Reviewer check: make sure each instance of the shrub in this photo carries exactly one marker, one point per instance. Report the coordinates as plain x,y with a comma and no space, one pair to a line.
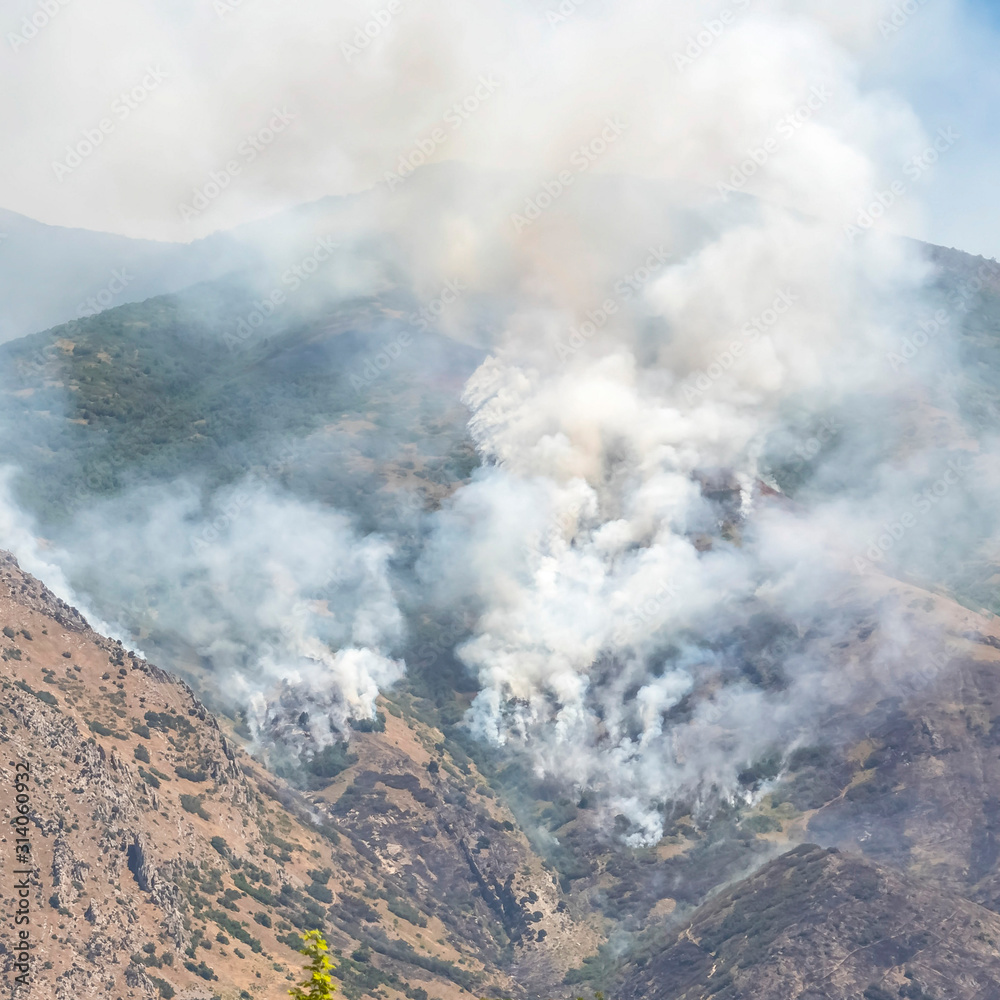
165,721
150,779
320,892
141,753
261,894
228,900
358,910
876,992
166,990
201,969
376,725
808,757
188,774
292,940
192,804
272,838
761,824
45,696
331,760
403,909
763,770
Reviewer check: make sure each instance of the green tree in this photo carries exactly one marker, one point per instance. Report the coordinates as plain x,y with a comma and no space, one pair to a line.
319,985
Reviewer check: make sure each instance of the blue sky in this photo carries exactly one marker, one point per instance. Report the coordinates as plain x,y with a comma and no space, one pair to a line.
946,62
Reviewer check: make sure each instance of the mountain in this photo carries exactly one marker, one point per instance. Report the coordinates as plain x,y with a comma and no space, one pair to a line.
437,862
51,275
183,385
169,862
816,923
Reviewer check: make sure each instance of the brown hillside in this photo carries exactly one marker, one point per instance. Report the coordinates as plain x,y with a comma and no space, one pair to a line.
170,862
820,924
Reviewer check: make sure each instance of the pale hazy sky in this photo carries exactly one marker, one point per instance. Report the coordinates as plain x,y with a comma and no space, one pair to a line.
280,94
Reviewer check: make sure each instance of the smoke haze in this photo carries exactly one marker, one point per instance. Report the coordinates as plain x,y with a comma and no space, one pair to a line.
671,263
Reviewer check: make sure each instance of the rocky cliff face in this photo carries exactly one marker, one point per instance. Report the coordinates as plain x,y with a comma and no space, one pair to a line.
166,861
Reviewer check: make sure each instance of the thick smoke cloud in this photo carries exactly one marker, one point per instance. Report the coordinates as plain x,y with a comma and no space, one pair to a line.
673,243
223,69
280,601
621,546
19,536
271,592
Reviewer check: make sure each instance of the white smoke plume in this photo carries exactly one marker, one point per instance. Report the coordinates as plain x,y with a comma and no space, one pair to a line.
262,599
620,536
19,536
674,239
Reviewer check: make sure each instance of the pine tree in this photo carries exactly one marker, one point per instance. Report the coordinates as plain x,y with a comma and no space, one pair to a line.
319,985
